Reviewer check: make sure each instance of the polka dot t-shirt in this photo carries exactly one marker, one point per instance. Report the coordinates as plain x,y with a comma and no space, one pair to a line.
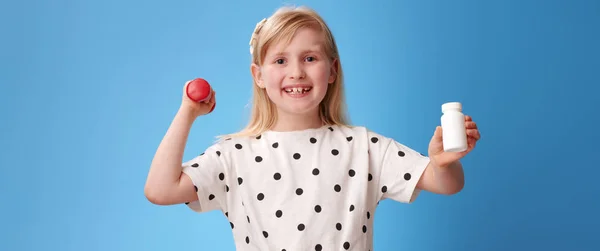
314,189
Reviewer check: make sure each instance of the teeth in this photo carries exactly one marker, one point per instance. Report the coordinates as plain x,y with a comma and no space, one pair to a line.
297,90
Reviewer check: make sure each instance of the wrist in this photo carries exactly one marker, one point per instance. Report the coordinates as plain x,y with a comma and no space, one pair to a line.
186,113
445,167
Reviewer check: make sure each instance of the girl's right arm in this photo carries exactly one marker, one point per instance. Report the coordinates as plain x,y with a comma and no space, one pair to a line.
166,184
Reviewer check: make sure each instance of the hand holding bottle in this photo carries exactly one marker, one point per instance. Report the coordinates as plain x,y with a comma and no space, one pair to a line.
455,138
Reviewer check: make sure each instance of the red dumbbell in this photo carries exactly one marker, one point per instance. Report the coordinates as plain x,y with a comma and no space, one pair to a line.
199,90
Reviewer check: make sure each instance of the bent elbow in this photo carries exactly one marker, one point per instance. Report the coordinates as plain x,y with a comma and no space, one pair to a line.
456,189
153,196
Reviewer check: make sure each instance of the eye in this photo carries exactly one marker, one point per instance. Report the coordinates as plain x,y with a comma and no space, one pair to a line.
279,61
310,59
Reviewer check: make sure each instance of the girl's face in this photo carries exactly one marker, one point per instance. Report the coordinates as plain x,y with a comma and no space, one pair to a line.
296,76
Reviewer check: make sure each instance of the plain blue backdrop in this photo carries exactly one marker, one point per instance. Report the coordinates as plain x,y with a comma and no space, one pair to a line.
88,89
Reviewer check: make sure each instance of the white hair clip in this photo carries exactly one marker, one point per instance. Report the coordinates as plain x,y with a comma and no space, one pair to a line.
257,29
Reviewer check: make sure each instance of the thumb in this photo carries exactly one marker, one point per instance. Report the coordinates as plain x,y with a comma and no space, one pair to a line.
437,135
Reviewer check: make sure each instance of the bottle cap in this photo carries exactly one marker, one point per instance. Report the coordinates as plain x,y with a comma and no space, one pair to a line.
452,106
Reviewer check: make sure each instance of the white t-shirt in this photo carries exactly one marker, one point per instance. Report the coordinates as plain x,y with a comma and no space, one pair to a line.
314,189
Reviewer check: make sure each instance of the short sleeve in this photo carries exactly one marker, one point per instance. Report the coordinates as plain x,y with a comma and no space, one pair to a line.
400,168
208,174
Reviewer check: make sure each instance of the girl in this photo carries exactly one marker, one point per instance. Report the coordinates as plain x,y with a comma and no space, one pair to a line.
298,177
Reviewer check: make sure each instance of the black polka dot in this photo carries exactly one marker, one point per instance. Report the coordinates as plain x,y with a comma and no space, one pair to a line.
299,191
349,138
401,153
238,146
260,196
374,139
338,226
407,176
240,180
313,140
277,176
335,152
218,153
318,247
248,218
317,208
279,213
370,177
195,165
221,176
201,154
368,215
258,137
230,223
258,159
337,188
275,145
211,197
330,129
346,245
196,188
296,156
364,228
226,214
301,227
351,208
226,188
265,234
187,203
315,171
247,239
384,189
351,173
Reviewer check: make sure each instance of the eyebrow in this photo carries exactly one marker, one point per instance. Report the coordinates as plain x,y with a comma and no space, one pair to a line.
302,52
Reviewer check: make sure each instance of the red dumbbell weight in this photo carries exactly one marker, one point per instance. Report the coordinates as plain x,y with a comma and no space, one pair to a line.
198,90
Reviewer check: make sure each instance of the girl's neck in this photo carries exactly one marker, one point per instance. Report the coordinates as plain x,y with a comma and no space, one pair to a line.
297,122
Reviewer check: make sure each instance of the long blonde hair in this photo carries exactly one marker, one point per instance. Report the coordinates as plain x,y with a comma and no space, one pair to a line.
281,26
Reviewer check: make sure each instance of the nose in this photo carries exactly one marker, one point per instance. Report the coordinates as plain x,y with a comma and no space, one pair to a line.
297,71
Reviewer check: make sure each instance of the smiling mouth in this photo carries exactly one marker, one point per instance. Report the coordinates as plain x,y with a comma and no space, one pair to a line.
297,90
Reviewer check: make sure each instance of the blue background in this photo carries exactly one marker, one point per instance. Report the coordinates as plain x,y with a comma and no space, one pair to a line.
88,89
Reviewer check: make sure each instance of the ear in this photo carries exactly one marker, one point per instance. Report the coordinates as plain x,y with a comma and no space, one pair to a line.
333,71
257,75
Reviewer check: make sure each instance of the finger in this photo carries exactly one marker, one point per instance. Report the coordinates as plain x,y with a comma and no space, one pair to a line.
470,125
468,118
471,142
213,102
474,133
210,97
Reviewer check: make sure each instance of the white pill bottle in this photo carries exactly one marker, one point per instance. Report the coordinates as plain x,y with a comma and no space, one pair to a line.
454,133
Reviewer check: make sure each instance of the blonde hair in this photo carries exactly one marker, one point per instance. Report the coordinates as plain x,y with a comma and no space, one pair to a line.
281,26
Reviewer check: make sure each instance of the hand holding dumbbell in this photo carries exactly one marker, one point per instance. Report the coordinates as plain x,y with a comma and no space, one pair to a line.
199,96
